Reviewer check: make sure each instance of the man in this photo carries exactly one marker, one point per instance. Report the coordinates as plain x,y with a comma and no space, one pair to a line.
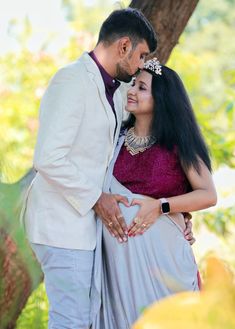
80,118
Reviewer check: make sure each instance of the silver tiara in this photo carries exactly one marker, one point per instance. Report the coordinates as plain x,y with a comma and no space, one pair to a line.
153,65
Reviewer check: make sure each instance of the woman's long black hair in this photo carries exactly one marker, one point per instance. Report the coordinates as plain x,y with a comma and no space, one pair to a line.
174,122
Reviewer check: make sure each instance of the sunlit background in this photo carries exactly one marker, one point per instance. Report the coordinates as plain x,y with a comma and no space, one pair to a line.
38,37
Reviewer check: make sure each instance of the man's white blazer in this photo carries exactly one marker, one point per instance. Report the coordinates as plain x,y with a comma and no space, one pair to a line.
75,144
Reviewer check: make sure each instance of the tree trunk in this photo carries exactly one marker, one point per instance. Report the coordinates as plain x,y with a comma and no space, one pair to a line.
17,280
19,271
169,18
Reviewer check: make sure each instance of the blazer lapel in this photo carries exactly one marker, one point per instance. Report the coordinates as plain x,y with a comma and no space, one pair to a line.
119,108
95,75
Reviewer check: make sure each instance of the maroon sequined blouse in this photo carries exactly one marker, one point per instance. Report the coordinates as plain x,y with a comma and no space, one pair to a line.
156,172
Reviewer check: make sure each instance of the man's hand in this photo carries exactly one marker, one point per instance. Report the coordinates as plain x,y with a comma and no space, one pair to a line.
109,212
188,231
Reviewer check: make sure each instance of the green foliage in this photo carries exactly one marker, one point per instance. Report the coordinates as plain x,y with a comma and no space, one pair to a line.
20,96
20,273
10,205
218,221
205,60
35,314
86,15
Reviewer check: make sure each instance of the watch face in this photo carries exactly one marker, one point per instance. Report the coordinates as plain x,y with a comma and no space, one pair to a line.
165,207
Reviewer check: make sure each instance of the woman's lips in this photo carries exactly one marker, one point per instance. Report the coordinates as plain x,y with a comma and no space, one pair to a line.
131,101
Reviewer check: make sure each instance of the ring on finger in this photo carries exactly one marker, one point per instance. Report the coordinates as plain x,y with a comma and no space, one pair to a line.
137,220
110,224
144,225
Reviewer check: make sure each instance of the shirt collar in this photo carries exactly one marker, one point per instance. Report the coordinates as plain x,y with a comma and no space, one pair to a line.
111,84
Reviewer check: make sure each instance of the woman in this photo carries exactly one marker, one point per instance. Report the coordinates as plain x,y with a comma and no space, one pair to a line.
162,166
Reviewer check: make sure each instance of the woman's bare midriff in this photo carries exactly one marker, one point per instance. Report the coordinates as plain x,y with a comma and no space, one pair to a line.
178,218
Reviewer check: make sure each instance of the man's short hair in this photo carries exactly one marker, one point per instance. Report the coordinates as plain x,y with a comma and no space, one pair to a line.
128,22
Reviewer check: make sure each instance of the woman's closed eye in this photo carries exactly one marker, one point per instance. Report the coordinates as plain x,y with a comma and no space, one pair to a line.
142,86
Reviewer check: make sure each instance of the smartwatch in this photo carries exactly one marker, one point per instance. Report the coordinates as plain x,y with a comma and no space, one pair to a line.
165,206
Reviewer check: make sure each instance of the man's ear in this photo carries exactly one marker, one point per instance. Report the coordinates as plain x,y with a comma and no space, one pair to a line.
124,46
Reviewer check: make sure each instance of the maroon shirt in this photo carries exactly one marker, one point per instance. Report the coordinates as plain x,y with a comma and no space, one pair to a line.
156,172
110,84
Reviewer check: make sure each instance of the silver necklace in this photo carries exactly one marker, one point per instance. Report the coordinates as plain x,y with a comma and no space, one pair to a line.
136,144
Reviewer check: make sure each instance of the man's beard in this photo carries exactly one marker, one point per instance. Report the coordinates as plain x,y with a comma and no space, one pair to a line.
122,74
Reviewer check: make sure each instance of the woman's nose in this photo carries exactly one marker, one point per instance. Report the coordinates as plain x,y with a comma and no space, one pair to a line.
131,91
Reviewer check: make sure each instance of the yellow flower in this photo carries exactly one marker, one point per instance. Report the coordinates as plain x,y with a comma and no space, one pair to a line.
214,307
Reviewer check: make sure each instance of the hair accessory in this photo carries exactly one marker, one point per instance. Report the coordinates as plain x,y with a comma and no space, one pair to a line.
153,65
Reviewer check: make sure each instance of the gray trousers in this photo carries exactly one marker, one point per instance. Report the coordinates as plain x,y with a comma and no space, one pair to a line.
67,275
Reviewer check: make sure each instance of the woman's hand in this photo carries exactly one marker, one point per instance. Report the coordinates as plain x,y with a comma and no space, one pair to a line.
146,216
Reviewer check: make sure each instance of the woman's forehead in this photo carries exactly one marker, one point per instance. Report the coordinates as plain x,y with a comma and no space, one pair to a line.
145,77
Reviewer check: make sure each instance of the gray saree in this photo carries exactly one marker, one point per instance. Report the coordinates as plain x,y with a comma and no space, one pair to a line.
129,277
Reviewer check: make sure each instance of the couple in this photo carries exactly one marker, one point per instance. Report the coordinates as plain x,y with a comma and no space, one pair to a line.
125,190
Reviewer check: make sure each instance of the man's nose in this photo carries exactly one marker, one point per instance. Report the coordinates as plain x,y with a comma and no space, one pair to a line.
141,64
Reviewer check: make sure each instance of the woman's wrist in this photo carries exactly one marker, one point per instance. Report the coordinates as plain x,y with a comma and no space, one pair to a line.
164,206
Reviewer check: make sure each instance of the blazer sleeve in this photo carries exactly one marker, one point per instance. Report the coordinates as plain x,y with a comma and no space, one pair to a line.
61,112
